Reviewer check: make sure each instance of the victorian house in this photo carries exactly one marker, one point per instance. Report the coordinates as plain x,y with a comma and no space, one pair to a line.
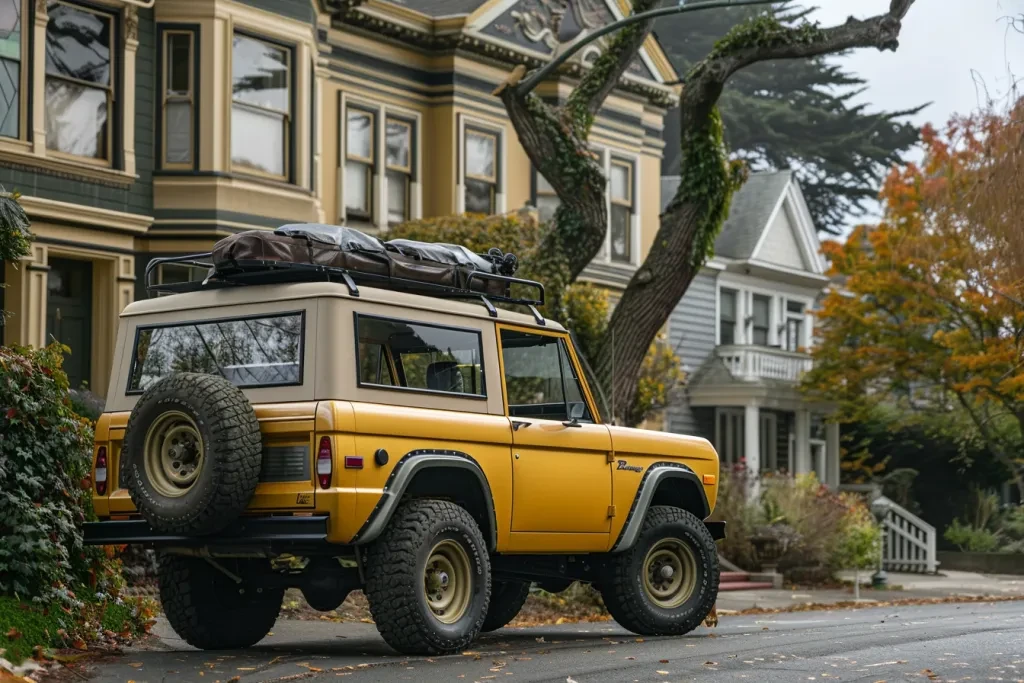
144,128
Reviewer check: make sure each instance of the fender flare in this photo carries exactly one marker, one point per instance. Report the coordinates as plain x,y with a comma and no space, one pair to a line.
655,474
405,470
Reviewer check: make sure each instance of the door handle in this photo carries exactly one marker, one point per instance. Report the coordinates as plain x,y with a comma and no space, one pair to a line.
516,425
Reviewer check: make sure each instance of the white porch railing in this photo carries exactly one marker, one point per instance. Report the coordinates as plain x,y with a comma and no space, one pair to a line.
751,363
909,540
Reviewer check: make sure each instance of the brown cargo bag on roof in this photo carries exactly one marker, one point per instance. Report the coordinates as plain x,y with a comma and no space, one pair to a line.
245,250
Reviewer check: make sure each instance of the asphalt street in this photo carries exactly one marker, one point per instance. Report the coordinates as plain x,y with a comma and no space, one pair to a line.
968,642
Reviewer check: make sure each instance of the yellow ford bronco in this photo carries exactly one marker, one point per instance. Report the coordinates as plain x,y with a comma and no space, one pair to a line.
326,411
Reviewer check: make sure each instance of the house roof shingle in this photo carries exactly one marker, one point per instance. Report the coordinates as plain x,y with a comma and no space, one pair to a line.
751,209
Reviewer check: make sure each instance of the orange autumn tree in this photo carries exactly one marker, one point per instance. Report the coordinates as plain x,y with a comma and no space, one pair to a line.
929,316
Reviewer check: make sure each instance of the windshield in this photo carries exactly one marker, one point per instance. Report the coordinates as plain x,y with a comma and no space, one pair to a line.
249,352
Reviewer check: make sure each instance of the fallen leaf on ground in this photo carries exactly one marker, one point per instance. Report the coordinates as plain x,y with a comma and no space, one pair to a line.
135,665
13,633
663,661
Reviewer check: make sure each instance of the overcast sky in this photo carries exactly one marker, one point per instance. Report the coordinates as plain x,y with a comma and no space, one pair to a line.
945,47
953,53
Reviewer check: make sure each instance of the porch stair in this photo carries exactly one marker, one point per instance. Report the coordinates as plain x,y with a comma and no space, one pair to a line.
740,581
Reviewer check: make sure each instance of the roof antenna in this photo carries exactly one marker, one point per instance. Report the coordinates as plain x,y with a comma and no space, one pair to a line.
613,376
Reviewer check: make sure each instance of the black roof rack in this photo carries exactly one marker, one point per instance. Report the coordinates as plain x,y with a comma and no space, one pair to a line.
274,272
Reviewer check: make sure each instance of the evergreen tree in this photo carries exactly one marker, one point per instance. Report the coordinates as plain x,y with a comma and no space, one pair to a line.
794,114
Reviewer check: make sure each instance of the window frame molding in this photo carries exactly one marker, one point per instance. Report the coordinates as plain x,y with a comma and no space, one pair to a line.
463,124
26,41
382,111
29,153
162,31
369,163
116,95
292,118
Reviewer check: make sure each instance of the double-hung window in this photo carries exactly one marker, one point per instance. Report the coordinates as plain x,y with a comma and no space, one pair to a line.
794,336
360,147
762,308
398,150
481,171
727,317
12,73
79,97
179,90
620,189
261,116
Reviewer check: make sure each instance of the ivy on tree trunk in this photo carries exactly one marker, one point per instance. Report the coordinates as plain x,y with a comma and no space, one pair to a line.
555,139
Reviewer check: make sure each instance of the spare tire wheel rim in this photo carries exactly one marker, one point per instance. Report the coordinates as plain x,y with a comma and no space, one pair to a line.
670,573
174,453
448,581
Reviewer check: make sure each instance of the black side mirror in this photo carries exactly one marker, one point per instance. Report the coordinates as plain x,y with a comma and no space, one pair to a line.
576,411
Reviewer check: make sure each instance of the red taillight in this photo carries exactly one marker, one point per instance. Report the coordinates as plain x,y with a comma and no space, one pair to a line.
100,480
324,462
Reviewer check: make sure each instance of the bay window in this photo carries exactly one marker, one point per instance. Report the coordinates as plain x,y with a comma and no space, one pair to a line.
261,116
398,150
620,189
11,71
178,99
360,134
481,171
79,96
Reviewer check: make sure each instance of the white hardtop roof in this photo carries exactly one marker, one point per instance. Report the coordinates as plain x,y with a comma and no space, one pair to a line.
243,295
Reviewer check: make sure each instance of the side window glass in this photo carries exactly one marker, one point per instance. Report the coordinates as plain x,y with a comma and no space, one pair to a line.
373,365
539,379
425,357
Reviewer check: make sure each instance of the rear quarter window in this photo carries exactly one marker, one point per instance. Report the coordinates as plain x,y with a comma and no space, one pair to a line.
250,352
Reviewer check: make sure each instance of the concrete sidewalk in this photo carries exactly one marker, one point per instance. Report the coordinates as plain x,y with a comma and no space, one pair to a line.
944,584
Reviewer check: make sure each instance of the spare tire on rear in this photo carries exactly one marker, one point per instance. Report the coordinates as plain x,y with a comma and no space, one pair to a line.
192,454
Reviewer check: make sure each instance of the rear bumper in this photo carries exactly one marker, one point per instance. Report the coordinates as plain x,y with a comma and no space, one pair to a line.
247,532
717,530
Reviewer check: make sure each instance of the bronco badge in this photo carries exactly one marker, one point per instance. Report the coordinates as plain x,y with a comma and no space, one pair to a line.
623,465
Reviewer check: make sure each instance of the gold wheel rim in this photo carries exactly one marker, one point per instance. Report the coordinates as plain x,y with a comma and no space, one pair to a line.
670,573
173,454
448,582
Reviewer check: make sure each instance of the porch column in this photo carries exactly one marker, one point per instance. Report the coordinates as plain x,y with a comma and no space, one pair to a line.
802,455
752,447
832,454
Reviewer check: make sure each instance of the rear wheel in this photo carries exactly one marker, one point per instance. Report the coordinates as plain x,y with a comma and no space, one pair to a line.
212,611
667,583
507,600
429,579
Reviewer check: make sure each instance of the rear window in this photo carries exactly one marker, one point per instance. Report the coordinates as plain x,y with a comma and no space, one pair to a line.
257,351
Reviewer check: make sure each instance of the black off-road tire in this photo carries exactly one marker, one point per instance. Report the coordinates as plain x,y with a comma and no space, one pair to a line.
233,454
394,568
622,588
507,600
209,610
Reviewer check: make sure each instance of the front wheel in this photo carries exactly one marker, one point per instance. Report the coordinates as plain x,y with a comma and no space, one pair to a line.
429,579
667,583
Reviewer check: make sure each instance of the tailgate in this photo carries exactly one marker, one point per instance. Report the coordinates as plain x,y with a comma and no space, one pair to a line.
287,475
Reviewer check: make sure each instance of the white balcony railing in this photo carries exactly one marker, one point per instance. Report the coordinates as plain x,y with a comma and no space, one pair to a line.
750,363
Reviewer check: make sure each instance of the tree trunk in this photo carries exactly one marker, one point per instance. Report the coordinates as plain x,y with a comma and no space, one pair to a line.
556,143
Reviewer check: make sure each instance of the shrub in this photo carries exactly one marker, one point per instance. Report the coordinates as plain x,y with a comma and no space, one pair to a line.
822,528
970,538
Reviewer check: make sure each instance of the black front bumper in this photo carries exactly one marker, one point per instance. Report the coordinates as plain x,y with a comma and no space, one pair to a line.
717,530
246,532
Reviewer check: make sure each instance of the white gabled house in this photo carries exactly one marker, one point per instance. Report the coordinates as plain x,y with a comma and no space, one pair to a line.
743,330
